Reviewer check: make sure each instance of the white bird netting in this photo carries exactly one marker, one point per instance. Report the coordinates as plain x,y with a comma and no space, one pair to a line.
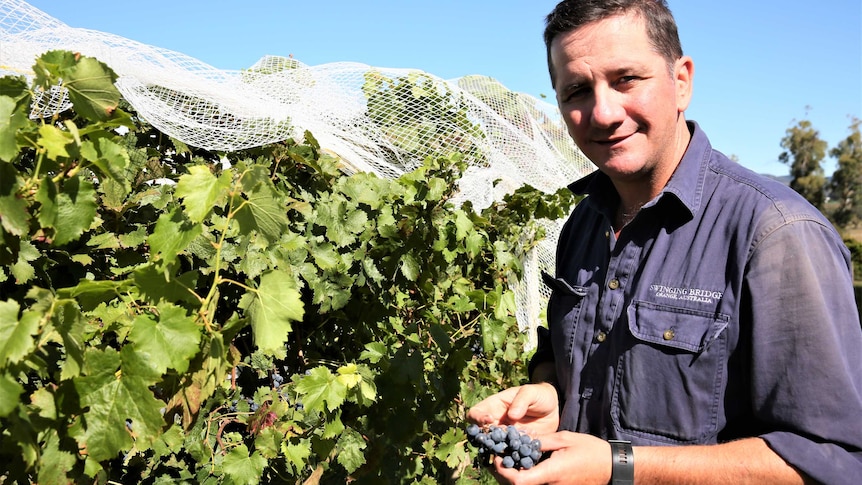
379,120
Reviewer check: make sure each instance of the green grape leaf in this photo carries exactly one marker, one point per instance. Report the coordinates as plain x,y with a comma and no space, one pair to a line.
91,88
268,442
366,188
463,225
18,89
259,209
54,463
110,158
374,352
172,235
350,446
54,141
156,284
243,468
116,390
475,242
69,210
276,304
296,454
331,217
14,217
10,122
10,394
200,190
169,342
409,267
320,387
69,323
333,426
451,448
371,271
16,336
90,293
325,256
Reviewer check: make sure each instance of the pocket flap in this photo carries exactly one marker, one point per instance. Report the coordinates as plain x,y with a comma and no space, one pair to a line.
557,283
680,328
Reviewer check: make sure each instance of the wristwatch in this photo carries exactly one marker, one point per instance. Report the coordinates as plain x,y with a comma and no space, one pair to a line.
623,468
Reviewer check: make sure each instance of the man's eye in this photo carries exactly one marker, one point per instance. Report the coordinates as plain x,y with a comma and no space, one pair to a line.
576,93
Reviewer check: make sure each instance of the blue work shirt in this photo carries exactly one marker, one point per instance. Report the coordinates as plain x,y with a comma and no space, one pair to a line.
724,310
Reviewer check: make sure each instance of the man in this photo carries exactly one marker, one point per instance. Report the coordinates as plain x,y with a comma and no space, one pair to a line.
701,312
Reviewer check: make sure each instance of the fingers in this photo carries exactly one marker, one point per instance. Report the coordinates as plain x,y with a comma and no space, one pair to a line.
493,409
536,399
522,402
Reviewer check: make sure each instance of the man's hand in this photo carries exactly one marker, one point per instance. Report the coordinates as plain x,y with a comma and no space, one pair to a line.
576,458
533,408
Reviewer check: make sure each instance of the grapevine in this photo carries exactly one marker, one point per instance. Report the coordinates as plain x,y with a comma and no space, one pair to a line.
169,314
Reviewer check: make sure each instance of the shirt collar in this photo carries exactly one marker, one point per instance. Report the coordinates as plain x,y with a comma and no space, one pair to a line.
686,183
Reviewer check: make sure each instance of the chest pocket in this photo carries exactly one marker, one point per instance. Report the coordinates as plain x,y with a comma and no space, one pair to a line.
669,383
564,307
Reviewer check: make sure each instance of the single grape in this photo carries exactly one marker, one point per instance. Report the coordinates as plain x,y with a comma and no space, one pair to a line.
473,430
526,463
508,462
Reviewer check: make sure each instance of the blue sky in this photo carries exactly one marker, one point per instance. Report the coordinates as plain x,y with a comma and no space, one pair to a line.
759,66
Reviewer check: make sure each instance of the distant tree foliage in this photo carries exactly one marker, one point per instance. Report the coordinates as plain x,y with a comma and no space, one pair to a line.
847,178
804,152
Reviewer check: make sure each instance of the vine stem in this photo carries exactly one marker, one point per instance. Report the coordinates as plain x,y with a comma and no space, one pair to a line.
217,279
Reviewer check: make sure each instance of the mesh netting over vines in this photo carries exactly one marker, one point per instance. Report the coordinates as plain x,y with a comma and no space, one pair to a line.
380,120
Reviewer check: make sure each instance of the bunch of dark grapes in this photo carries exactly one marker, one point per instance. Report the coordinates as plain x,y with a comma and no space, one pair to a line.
516,447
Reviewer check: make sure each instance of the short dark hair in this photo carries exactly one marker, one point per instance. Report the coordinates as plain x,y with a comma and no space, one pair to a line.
570,15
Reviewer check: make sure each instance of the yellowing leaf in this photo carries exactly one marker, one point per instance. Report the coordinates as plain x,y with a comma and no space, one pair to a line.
349,375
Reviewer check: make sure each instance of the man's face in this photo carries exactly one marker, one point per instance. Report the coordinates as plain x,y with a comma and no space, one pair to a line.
618,97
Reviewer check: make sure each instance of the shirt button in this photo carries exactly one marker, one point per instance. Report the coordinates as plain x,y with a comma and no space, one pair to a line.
668,334
601,337
614,284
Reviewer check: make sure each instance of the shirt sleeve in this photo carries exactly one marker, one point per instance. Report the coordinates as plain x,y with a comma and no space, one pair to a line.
806,369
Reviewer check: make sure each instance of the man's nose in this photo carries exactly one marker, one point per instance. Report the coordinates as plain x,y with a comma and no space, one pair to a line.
608,108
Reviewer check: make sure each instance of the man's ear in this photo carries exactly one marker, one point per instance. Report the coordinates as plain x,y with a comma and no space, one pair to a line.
683,77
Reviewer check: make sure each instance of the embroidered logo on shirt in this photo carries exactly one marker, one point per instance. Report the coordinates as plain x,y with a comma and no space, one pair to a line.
689,294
